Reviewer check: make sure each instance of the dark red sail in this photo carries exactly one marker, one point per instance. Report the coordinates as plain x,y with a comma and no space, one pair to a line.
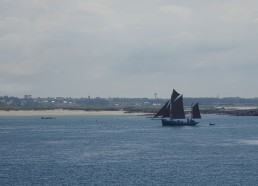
164,111
196,111
177,109
174,95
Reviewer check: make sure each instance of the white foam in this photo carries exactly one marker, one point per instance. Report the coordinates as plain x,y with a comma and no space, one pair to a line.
249,142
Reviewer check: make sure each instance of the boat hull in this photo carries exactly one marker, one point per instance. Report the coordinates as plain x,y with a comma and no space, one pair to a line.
166,122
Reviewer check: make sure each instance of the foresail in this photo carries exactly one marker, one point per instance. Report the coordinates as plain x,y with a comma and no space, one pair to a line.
164,111
196,111
167,111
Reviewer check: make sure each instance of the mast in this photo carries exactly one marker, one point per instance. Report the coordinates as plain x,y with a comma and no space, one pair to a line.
192,110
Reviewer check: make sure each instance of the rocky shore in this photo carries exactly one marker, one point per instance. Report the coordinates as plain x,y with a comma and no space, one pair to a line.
232,112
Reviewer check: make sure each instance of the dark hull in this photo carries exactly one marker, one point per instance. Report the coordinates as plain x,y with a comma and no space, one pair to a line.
178,123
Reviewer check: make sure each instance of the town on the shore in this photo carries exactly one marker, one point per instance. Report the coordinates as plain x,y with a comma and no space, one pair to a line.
229,105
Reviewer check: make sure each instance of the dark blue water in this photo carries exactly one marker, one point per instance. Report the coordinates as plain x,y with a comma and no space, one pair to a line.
127,150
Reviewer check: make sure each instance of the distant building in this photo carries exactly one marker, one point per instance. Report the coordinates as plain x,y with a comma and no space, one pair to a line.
27,96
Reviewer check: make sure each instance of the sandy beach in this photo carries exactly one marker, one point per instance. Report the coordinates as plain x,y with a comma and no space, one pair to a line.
60,112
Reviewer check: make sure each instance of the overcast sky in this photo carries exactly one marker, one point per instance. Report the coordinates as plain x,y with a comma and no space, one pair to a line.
129,48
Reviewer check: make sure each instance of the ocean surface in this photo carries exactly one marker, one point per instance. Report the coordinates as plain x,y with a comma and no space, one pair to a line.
127,150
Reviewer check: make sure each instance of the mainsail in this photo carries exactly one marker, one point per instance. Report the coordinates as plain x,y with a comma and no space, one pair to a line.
177,111
174,95
196,111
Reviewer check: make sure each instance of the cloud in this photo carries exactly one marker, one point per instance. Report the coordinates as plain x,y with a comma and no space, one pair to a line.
112,48
180,12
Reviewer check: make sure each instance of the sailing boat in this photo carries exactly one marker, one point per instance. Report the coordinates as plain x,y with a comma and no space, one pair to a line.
174,110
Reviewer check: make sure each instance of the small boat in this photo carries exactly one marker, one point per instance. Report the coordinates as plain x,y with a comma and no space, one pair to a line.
211,123
47,118
174,110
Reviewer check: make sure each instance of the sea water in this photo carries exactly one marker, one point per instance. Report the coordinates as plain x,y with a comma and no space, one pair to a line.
127,150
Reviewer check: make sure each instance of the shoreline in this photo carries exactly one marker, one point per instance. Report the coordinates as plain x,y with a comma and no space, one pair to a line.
61,112
66,112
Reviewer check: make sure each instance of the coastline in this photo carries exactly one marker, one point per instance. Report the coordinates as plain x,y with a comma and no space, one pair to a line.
67,112
61,112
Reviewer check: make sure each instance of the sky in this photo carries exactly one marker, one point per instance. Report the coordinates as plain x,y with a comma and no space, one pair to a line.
128,48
